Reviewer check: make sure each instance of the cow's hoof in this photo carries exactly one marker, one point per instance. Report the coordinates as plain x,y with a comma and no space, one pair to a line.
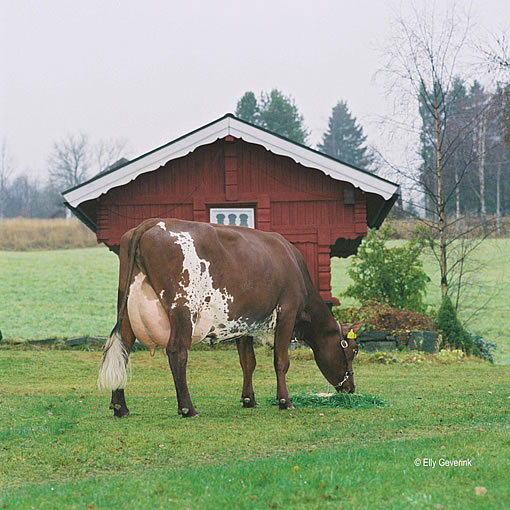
249,402
119,410
188,413
285,404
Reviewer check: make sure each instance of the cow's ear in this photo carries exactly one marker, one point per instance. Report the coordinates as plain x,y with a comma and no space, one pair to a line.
344,329
356,327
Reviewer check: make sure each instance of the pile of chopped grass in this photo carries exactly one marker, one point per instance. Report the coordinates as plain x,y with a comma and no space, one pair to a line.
343,400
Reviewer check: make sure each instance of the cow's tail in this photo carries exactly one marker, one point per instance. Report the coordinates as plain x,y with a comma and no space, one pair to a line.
113,373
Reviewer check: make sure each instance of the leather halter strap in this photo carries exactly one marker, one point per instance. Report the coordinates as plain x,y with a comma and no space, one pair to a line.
344,344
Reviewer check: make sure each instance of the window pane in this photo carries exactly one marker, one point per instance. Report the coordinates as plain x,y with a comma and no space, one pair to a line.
242,216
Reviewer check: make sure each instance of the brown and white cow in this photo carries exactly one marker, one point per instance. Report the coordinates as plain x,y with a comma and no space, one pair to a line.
181,282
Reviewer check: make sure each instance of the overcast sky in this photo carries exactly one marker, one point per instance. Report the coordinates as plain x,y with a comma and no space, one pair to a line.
150,71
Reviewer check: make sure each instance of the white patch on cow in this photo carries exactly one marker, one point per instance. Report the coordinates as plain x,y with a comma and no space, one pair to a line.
162,225
161,294
208,305
178,296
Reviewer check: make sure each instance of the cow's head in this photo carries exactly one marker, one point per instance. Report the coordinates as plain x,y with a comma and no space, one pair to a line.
336,354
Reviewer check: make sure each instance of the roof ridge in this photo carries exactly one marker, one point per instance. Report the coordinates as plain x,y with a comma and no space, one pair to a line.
233,127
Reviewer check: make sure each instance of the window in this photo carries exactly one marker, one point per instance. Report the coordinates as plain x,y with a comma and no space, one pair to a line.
233,216
349,196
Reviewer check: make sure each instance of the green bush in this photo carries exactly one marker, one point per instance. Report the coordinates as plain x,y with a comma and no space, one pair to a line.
394,276
486,349
454,334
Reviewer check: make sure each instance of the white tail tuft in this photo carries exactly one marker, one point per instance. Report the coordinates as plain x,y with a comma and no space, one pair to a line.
113,373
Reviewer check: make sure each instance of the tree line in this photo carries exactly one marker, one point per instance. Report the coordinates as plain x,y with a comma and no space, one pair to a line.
343,139
463,149
473,134
72,160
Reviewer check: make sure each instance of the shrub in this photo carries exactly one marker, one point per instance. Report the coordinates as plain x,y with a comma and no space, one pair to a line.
483,348
394,276
383,317
447,355
454,334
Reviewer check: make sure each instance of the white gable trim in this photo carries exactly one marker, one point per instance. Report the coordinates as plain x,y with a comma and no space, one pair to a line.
335,169
223,127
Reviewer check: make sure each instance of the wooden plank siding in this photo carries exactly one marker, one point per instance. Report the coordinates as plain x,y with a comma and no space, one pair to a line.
301,203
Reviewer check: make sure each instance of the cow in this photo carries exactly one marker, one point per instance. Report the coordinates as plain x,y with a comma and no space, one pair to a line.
181,282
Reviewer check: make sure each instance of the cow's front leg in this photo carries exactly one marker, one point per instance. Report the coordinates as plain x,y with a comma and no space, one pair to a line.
282,339
248,363
118,404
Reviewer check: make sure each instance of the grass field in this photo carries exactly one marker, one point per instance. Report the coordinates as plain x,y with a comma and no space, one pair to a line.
62,293
68,293
27,234
61,448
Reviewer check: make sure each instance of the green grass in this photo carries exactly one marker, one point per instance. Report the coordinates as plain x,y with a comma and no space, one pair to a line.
62,293
61,448
486,305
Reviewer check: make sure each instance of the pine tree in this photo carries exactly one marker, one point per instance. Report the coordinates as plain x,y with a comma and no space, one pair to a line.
344,139
247,108
275,112
454,333
279,114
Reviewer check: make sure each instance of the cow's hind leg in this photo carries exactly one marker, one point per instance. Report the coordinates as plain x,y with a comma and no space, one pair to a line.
177,352
118,404
248,363
113,369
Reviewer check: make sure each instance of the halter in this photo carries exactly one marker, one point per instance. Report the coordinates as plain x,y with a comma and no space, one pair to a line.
344,344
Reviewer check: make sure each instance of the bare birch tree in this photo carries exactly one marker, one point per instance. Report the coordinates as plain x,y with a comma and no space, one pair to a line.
481,170
422,68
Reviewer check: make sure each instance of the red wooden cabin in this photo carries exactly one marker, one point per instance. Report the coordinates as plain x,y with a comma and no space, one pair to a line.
233,172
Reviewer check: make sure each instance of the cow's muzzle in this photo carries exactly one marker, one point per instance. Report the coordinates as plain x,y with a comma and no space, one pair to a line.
345,389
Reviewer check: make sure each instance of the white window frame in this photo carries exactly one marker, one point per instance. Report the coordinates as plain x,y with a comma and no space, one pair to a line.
249,211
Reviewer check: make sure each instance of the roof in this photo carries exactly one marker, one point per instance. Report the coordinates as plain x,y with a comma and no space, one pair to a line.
229,125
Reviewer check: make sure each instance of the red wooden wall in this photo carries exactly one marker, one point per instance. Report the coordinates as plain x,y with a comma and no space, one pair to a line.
301,203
